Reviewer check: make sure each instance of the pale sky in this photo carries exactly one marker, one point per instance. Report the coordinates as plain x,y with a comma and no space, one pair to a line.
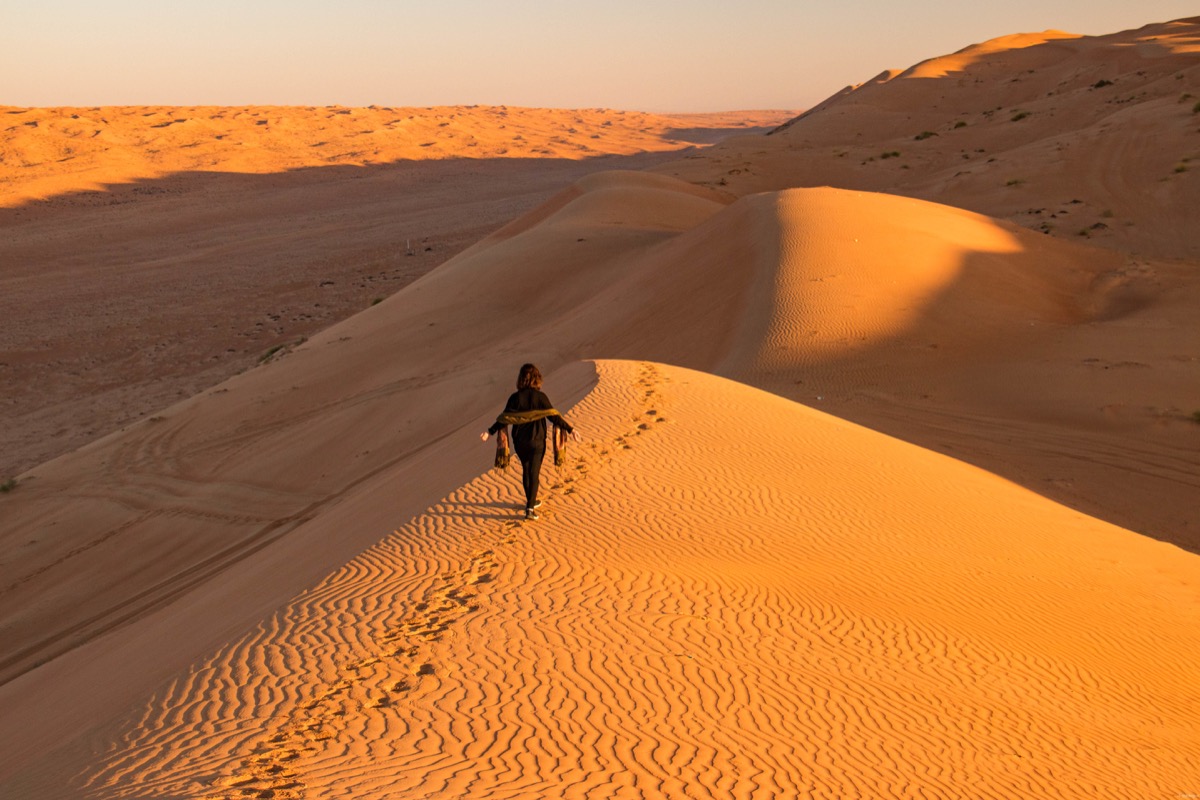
650,55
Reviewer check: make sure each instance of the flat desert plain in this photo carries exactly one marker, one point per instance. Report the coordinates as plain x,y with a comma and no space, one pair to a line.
887,484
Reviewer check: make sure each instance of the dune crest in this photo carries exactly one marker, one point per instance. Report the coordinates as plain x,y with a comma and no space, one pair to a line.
727,590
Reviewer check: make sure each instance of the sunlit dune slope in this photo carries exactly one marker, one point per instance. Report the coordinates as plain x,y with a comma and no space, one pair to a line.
1081,137
978,332
49,151
728,594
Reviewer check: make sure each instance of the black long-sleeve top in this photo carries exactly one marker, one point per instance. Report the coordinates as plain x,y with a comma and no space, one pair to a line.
530,435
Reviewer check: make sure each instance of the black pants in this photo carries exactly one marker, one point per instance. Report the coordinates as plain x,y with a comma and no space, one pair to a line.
531,468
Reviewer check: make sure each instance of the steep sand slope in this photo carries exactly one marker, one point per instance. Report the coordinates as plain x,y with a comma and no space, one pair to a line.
1092,137
729,595
982,334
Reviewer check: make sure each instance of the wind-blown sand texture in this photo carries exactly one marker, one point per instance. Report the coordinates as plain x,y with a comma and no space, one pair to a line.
251,229
305,582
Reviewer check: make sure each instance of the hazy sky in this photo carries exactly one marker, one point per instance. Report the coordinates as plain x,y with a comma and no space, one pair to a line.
653,55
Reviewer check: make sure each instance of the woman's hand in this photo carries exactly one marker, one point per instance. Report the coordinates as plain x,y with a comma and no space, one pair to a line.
483,436
575,437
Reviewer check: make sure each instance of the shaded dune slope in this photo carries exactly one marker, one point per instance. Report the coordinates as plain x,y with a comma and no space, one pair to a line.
729,595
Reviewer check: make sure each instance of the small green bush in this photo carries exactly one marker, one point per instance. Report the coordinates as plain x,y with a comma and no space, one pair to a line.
270,352
1015,182
959,124
1181,167
890,154
924,135
1020,115
1196,417
11,484
1100,84
1196,108
377,301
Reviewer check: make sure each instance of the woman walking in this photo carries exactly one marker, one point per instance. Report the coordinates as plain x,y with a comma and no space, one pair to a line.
527,410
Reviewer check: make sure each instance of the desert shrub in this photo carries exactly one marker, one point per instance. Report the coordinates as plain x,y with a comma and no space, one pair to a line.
959,124
11,484
376,301
1181,167
924,135
270,352
1020,115
1015,182
890,154
1100,84
1196,417
1196,108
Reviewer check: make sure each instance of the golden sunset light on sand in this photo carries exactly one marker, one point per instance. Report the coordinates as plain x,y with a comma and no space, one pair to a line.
887,474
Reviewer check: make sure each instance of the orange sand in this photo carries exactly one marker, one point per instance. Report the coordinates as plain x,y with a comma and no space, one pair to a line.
305,582
49,151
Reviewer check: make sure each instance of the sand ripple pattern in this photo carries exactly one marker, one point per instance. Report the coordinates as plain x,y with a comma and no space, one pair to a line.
699,613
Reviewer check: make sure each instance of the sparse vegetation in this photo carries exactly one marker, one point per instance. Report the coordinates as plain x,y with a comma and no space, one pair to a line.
1107,213
11,483
890,154
1196,417
1015,182
1085,233
959,124
1100,84
273,351
1020,115
1196,108
1183,98
376,301
924,135
1181,168
270,352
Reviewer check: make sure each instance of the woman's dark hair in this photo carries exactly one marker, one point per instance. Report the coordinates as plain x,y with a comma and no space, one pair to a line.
530,377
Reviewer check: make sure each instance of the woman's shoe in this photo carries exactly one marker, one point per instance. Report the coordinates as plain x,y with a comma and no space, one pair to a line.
531,514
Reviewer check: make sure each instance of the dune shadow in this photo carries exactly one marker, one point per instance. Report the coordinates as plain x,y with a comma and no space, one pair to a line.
493,510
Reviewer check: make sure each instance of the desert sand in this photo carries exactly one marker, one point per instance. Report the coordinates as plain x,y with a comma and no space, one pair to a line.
756,577
251,228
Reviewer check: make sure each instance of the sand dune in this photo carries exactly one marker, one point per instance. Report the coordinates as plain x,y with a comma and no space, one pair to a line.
729,594
244,479
305,582
1081,137
51,151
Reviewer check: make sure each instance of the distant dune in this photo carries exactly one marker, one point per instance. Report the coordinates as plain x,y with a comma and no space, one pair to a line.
878,495
1091,138
49,151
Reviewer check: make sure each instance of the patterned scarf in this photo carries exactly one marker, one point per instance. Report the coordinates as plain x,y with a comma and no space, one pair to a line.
520,418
